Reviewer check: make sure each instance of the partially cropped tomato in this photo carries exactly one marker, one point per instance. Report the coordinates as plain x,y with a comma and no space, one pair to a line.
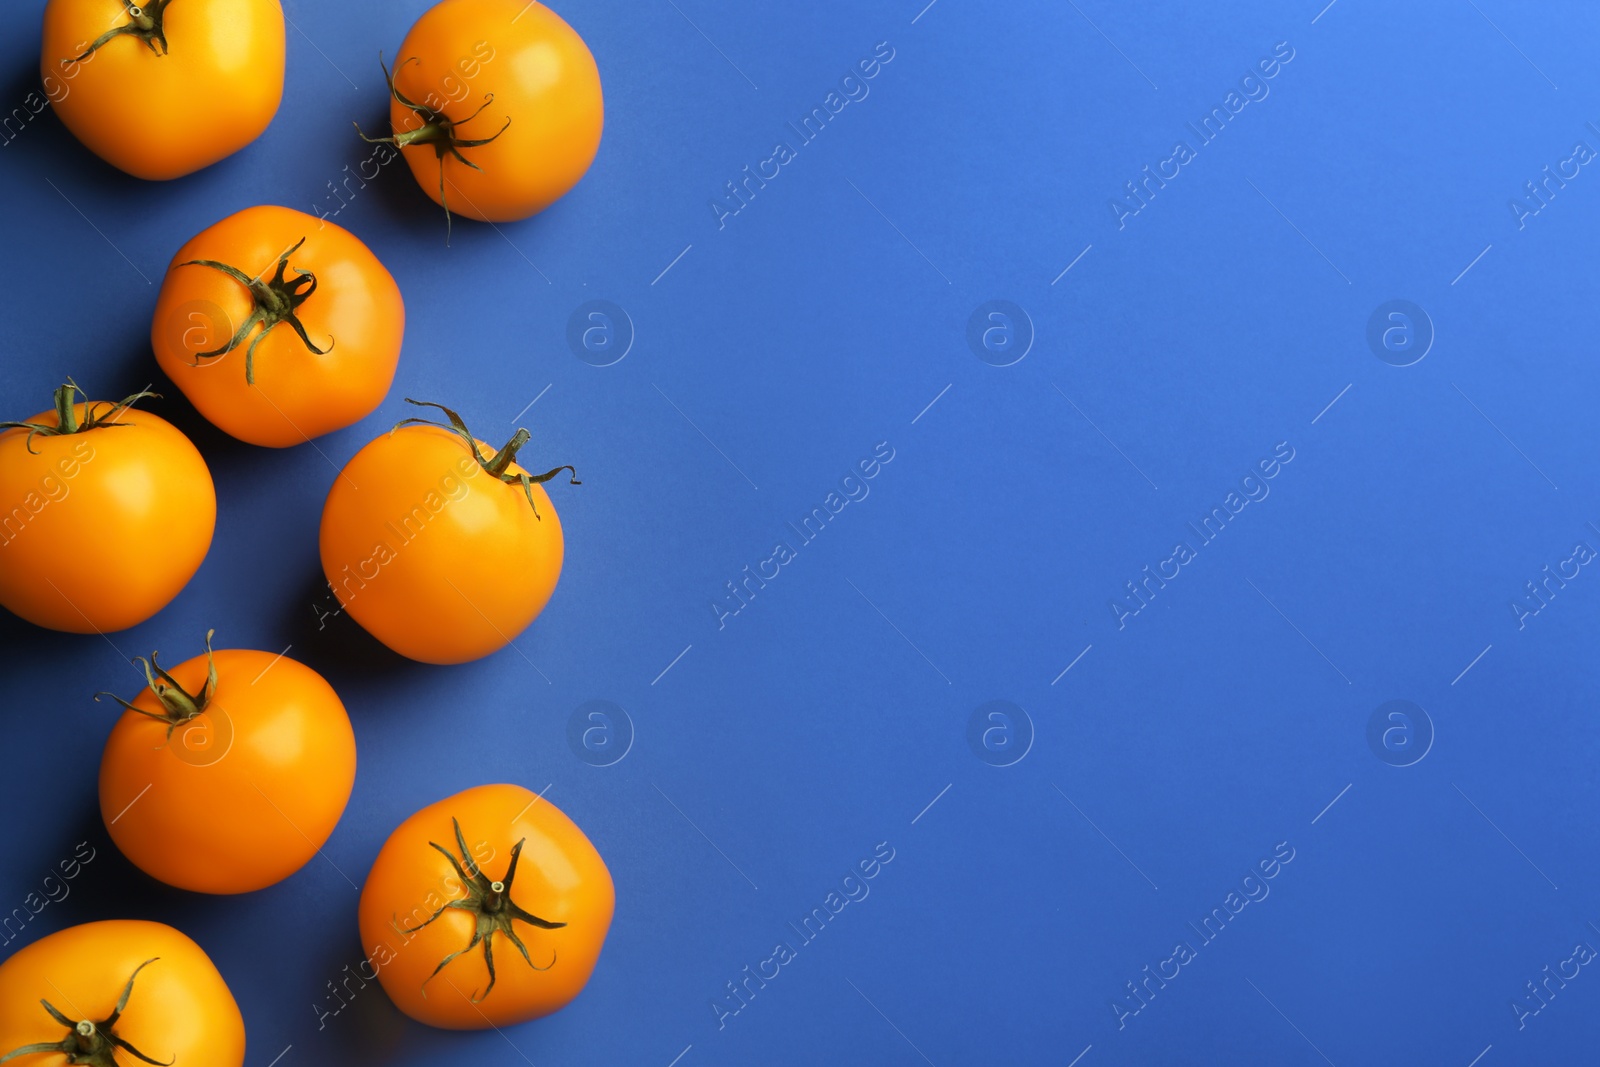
496,106
162,88
439,546
106,512
486,909
108,994
279,327
227,773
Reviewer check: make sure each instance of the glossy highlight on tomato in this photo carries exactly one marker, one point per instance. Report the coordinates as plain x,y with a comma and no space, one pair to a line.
488,908
106,512
162,88
228,773
112,993
439,546
496,105
279,326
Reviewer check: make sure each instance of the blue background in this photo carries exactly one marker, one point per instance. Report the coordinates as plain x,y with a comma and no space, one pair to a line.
780,749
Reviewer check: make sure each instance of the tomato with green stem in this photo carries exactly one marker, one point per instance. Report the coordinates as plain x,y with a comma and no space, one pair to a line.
228,773
270,358
496,106
494,867
106,512
439,546
120,986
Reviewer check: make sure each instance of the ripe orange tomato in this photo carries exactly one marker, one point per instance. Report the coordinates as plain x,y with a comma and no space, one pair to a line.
228,773
329,337
140,987
462,878
162,88
440,547
496,106
106,512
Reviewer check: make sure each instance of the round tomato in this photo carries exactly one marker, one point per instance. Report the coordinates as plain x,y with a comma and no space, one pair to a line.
139,988
495,867
330,322
161,88
106,512
496,106
439,546
228,773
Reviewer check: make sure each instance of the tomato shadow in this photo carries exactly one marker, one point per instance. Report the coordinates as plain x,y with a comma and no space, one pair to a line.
343,651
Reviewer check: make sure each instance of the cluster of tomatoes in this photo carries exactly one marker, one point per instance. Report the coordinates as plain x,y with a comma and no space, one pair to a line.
229,771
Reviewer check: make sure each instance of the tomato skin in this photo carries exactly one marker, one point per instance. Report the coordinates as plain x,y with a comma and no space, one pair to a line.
240,797
100,530
559,877
543,78
297,394
431,554
180,1010
163,116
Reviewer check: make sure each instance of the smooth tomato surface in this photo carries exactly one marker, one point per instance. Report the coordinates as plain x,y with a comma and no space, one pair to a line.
99,530
244,794
431,554
161,116
355,313
543,78
559,878
179,1011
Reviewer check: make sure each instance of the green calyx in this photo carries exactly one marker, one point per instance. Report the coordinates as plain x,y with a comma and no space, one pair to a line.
67,422
276,301
178,704
90,1043
433,128
499,464
489,902
144,22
